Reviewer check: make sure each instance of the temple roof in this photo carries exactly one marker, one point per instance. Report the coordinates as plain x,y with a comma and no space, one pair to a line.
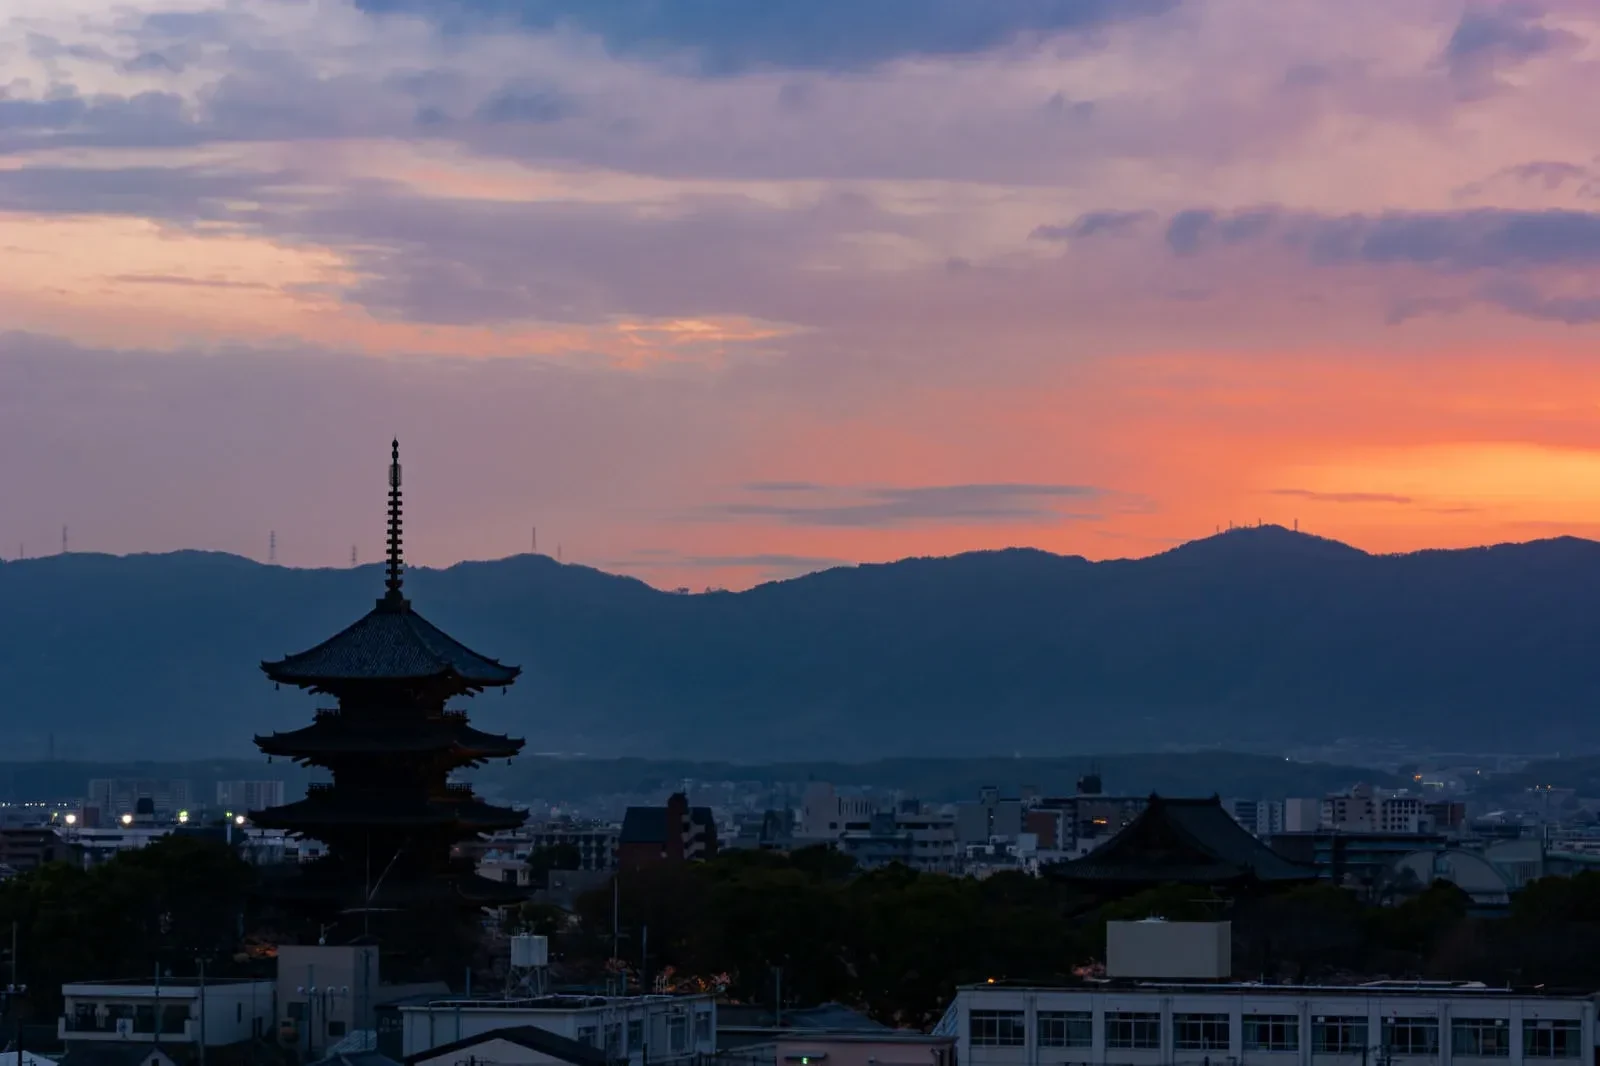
392,643
1193,841
333,734
328,806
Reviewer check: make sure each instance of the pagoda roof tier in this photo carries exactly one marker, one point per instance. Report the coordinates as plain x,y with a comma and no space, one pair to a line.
391,643
335,733
344,808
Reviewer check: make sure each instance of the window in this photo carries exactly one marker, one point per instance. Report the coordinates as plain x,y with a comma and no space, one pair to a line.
588,1034
238,1012
1488,1038
1339,1036
1066,1028
635,1034
997,1028
1411,1036
1125,1031
677,1032
1271,1032
1200,1032
335,1027
702,1027
1552,1038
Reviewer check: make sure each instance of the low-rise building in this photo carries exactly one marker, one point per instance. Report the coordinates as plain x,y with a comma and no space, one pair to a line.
674,833
658,1029
174,1011
1129,1023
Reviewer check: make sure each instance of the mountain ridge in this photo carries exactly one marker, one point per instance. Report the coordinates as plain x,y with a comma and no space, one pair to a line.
1259,636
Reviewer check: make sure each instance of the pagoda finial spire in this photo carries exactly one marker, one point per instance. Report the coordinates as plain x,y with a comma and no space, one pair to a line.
397,563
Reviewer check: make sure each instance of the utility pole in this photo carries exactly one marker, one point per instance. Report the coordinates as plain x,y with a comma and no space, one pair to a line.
202,965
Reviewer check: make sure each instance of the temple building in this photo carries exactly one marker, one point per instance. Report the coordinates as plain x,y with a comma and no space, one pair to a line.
1182,841
390,816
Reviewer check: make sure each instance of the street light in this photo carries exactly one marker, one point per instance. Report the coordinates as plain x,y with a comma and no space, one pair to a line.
238,819
127,819
72,819
183,817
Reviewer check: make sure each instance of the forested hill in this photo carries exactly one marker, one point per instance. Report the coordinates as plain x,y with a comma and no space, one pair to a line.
1252,638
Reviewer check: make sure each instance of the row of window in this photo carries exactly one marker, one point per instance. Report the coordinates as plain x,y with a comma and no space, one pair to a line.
1131,1030
677,1034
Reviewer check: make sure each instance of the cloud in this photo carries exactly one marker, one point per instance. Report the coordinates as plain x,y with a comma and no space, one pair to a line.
1457,240
1342,497
1090,224
863,507
1488,38
727,37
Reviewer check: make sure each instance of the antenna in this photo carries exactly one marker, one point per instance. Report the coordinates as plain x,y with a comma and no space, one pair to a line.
272,547
536,540
558,552
352,555
63,540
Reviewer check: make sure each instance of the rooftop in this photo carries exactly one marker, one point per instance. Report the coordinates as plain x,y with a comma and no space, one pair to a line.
392,642
1432,989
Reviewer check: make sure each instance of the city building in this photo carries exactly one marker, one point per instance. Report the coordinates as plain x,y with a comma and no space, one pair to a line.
989,817
174,1012
1128,1023
596,843
113,797
674,833
825,814
658,1029
910,835
390,746
241,796
829,1034
1168,1001
1360,860
23,849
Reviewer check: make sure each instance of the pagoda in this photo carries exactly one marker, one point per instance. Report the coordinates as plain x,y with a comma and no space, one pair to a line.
391,816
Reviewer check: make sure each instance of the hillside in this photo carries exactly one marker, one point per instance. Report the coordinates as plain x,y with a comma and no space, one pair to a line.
1249,639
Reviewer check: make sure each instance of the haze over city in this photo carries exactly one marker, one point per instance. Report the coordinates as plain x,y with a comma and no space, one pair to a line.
720,293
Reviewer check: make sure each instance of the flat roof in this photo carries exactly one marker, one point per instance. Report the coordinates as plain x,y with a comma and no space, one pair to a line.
180,983
1368,988
556,1002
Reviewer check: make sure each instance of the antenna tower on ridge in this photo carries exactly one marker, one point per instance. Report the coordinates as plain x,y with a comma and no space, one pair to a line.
352,555
272,547
63,540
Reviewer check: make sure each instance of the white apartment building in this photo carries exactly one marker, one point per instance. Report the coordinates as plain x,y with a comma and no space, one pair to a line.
1175,1024
173,1012
657,1029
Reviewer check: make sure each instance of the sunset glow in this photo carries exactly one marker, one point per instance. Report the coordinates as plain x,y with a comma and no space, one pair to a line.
714,304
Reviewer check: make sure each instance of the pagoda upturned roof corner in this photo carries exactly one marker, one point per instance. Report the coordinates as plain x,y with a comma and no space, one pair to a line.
390,643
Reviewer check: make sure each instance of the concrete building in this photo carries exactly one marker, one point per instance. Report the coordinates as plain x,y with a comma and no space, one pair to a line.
990,817
115,796
826,815
1175,1024
23,849
674,833
596,844
325,992
657,1029
1301,814
172,1013
910,835
241,797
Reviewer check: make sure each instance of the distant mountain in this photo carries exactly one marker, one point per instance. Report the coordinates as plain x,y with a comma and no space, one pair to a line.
1251,639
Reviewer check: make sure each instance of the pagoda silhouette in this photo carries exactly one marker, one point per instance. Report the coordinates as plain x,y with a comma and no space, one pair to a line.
391,816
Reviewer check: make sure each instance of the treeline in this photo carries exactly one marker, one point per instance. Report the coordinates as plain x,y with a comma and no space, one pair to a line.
892,942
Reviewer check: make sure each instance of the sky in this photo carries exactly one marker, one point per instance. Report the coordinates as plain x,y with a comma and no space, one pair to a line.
713,292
